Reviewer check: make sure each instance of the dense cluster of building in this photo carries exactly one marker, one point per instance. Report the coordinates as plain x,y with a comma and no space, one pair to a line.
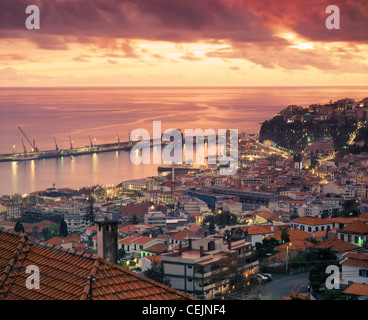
340,109
167,219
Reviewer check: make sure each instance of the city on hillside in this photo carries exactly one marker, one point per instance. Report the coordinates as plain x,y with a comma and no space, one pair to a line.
286,216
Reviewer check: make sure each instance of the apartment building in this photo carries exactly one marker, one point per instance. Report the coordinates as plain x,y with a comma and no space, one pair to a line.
155,218
200,267
311,225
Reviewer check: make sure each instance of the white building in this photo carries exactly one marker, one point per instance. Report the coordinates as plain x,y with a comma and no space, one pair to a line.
155,218
311,225
354,268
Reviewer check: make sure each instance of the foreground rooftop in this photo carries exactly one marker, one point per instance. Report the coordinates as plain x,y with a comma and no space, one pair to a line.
63,274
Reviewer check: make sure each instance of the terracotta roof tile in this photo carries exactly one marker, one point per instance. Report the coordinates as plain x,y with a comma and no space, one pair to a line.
184,234
311,221
256,229
358,289
296,245
357,227
336,245
63,274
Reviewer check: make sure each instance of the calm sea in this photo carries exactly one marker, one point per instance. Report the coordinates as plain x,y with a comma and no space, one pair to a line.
102,114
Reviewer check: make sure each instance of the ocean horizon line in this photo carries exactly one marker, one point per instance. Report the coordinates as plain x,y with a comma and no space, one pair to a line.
181,86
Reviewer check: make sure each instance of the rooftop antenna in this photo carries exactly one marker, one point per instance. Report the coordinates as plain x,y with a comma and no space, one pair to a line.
91,280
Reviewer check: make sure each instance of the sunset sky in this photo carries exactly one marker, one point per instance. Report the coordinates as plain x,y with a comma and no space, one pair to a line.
183,43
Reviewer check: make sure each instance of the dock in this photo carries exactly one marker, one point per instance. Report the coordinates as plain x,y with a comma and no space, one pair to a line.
60,153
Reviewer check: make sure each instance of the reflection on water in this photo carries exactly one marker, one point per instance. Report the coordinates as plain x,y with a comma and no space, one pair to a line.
101,112
70,172
74,172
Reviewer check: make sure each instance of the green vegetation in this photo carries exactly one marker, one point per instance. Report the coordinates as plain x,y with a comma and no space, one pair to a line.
350,208
320,259
156,272
63,229
50,231
19,227
90,215
266,247
221,220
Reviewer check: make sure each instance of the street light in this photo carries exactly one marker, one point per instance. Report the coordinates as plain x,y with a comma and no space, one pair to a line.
287,255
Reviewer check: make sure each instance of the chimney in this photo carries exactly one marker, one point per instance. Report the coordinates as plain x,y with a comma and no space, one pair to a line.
180,248
107,240
173,175
201,253
190,243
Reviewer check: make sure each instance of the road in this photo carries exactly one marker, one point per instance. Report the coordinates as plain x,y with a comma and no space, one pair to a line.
281,286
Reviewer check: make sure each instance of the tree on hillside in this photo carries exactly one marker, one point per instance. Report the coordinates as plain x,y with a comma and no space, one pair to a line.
225,219
285,238
90,215
134,220
35,229
157,273
266,246
63,229
46,234
320,259
18,227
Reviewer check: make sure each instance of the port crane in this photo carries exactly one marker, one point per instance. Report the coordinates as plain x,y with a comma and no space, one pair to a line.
117,137
90,140
71,143
56,146
33,145
24,147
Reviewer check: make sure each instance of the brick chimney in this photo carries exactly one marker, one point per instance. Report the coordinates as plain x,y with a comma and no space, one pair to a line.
107,240
201,253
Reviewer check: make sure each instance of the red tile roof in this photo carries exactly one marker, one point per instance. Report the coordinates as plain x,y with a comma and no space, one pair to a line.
311,221
63,274
336,245
296,245
357,227
158,248
355,260
268,216
143,240
358,289
294,234
184,234
364,215
256,229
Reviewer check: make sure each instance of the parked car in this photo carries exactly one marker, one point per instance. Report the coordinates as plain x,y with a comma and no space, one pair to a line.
268,276
262,277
